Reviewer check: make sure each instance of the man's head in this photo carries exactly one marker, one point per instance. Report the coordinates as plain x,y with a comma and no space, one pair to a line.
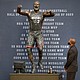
36,5
71,41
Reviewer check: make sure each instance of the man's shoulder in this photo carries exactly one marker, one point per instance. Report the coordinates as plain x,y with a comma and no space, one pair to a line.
74,49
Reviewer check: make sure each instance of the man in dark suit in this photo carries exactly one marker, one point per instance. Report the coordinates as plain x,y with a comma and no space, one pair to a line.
71,65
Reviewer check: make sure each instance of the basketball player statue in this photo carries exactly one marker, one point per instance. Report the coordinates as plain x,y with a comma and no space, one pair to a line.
35,19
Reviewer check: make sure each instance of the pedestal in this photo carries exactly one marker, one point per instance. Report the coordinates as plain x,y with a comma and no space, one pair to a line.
25,76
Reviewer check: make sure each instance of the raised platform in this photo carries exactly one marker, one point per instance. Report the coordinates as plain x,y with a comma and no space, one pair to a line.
39,76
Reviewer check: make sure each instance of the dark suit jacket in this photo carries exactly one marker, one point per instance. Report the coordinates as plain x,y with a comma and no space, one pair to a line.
72,63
